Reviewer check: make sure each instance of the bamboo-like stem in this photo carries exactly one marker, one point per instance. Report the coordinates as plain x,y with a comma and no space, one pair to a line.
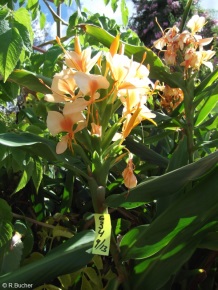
189,115
98,201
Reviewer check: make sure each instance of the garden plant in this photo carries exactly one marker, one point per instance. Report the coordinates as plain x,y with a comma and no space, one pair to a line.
108,153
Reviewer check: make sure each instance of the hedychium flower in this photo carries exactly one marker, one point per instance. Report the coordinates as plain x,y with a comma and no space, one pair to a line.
187,45
89,100
71,121
79,60
63,87
130,180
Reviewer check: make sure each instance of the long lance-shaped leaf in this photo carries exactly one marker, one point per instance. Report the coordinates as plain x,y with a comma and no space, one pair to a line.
158,70
210,103
71,256
44,148
188,210
30,80
208,81
164,185
173,237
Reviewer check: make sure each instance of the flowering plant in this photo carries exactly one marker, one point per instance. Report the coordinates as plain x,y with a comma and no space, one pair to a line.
121,140
87,98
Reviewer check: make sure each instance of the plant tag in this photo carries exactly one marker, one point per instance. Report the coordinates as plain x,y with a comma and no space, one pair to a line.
101,244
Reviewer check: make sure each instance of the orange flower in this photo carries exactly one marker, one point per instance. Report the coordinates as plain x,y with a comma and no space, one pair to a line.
81,60
63,87
89,84
129,177
70,122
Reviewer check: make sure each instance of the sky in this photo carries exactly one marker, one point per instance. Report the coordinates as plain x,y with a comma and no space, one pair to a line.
91,6
94,6
98,6
209,4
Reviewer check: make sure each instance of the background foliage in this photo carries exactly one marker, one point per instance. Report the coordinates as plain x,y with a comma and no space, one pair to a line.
165,229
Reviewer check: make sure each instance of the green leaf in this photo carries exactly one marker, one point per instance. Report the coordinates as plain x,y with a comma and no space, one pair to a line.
42,20
208,106
164,185
208,81
210,242
45,148
32,4
114,5
106,2
170,240
180,156
93,277
30,80
10,51
145,153
26,175
37,173
68,192
124,12
9,91
3,13
51,57
22,16
121,225
5,222
70,256
85,284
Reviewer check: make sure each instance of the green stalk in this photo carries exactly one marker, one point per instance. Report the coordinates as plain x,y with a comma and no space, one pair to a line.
98,201
189,115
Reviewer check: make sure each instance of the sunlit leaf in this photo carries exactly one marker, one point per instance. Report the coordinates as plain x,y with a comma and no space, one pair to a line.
10,51
42,20
114,5
23,17
30,80
182,228
210,103
124,12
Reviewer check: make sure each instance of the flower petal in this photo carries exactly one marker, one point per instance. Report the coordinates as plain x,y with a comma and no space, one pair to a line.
62,145
53,121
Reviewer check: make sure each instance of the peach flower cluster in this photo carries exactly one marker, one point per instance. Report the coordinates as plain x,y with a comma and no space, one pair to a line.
186,48
122,82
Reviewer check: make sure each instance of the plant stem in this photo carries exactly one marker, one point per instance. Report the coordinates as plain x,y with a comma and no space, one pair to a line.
33,221
189,115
